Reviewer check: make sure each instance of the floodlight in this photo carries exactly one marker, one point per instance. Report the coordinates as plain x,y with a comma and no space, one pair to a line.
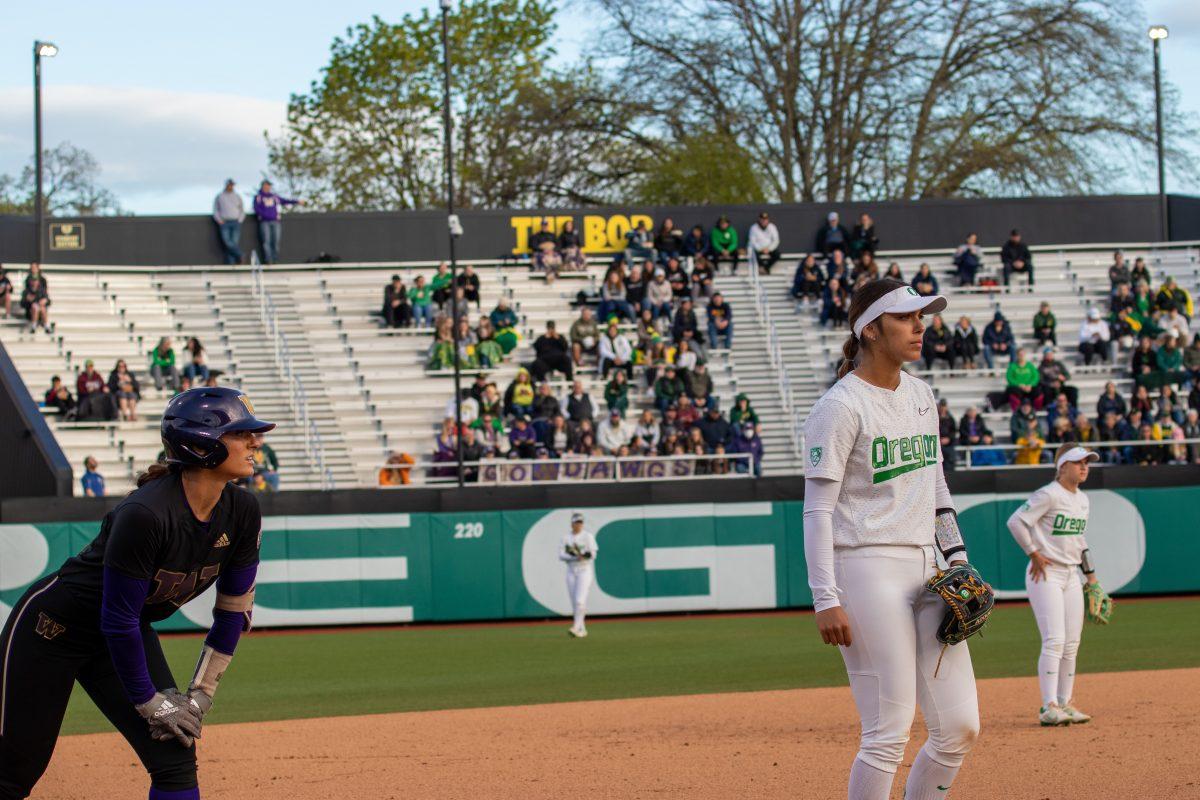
1158,31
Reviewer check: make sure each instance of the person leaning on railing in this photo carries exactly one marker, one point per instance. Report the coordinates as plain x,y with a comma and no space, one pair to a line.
398,471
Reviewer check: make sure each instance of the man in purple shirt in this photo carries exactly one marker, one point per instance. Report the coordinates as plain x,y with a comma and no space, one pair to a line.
267,206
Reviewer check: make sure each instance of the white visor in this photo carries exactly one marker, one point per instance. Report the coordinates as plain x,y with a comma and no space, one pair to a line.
899,301
1076,454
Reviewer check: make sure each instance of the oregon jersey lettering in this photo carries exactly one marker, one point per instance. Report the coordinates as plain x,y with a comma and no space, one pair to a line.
892,457
1067,526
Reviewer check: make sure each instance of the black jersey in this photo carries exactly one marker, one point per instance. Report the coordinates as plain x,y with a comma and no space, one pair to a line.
152,535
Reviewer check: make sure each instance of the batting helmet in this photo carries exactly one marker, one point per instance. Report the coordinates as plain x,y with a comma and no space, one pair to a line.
195,420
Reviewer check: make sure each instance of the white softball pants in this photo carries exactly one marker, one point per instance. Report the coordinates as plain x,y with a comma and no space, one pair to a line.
894,653
579,581
1057,602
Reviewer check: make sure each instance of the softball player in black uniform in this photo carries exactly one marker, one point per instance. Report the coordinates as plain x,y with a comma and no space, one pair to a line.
183,528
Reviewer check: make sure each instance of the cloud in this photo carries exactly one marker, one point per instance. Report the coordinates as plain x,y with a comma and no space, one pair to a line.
160,151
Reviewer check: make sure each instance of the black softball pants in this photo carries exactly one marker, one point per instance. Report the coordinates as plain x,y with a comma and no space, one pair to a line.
50,641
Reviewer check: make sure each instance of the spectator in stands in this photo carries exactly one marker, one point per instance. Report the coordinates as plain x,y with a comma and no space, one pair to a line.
863,238
616,393
579,404
714,429
185,383
670,430
1094,336
971,428
678,278
647,431
556,436
1029,448
397,471
1145,360
894,272
1141,402
35,301
1173,296
196,368
668,241
543,246
95,400
1061,408
698,384
1140,272
763,241
467,407
441,354
966,342
613,300
835,304
668,389
947,433
743,411
1044,324
440,286
468,281
585,336
647,332
1147,454
702,278
968,258
1191,361
266,464
720,323
58,396
998,340
808,283
473,451
1118,273
925,282
1110,400
659,295
1122,298
1191,430
553,354
723,245
686,357
92,481
522,440
1084,432
570,248
635,289
489,431
124,387
397,313
6,292
504,322
685,325
1170,361
162,365
613,434
746,440
545,404
615,351
1110,429
986,455
518,397
696,244
686,412
1172,320
937,343
1022,380
865,271
229,212
835,267
421,300
1016,258
1022,421
833,236
1054,376
488,351
268,207
656,359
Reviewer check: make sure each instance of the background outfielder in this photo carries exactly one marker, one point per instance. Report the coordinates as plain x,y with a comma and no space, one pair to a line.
579,550
182,529
1049,527
876,512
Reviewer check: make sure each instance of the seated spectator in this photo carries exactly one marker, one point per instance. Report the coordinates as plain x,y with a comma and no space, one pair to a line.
488,351
504,323
1191,361
1191,430
1141,402
1110,400
615,351
6,292
763,241
441,351
185,383
1170,361
720,323
835,267
1113,428
553,354
685,325
58,396
696,244
1085,432
635,289
714,429
1149,453
833,236
743,411
835,305
686,358
1172,320
1016,258
196,368
579,404
698,384
668,241
612,300
1022,380
473,451
1094,335
35,301
1023,420
519,396
987,456
570,248
467,407
1061,408
1054,376
894,272
543,246
585,336
1140,273
648,331
925,282
162,365
1173,296
545,404
648,432
266,463
92,481
864,270
1143,303
746,440
613,434
616,393
937,343
966,342
1121,298
968,258
397,313
522,440
1123,328
468,281
971,428
723,245
490,401
421,302
1029,448
947,434
657,358
1167,404
659,295
639,244
1118,273
809,282
668,389
678,278
440,287
998,340
397,471
556,437
1144,364
95,401
702,278
1044,325
863,238
489,431
686,413
123,386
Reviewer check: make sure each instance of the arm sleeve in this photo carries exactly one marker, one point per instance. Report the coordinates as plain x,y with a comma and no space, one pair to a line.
120,611
228,625
1020,524
955,549
829,435
820,497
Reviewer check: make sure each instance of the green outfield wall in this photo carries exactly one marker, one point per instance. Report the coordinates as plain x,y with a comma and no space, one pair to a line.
471,565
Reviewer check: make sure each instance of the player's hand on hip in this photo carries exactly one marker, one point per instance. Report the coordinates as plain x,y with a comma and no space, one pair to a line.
171,717
1037,566
834,626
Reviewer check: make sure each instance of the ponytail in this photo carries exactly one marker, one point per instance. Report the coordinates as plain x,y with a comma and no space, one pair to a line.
859,303
154,472
849,356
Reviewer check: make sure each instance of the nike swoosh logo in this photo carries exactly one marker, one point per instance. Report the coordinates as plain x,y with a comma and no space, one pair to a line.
943,788
922,411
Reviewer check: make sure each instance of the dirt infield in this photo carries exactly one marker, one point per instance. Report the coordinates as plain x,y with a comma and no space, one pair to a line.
785,744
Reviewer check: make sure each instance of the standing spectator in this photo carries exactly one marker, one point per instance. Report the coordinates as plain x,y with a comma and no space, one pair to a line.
746,440
267,208
723,245
863,239
616,393
95,400
468,281
162,365
579,404
763,241
35,300
124,387
396,310
668,241
1015,257
58,396
1044,325
639,243
720,323
998,340
612,299
553,354
968,258
92,481
584,335
1118,273
570,248
6,292
833,236
613,434
966,342
229,212
1094,334
835,304
1022,378
937,342
808,282
615,351
925,282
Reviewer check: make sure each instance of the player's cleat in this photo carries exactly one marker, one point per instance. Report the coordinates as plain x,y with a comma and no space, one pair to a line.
573,632
1051,715
1074,715
581,633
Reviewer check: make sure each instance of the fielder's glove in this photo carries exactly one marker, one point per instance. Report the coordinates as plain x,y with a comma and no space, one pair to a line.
572,550
969,600
1098,605
171,716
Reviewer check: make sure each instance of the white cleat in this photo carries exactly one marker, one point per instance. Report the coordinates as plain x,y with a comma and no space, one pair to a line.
581,633
573,632
1074,715
1052,715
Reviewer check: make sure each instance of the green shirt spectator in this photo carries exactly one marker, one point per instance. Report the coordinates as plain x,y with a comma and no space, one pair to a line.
1025,374
742,411
724,240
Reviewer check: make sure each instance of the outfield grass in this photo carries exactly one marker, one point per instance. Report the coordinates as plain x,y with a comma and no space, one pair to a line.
409,669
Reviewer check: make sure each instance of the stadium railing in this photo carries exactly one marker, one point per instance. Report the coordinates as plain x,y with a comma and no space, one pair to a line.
966,463
589,469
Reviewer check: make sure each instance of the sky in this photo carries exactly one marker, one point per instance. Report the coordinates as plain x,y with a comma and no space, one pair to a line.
174,97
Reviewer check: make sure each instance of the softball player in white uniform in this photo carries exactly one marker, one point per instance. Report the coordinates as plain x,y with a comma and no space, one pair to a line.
1049,528
874,495
579,550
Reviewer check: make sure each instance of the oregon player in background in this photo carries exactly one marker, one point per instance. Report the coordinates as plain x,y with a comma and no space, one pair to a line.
183,528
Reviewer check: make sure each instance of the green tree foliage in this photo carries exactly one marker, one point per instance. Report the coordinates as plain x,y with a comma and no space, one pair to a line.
705,168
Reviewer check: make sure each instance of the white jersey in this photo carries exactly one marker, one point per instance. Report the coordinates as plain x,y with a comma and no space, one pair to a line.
884,447
1057,518
583,543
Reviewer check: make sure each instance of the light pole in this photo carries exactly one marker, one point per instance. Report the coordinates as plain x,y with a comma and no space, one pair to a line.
455,230
1157,34
40,50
